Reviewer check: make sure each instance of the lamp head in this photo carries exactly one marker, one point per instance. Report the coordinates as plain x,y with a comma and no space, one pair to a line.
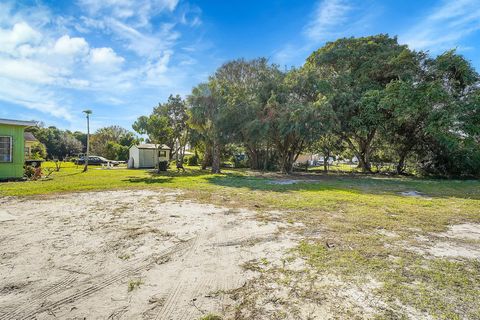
87,112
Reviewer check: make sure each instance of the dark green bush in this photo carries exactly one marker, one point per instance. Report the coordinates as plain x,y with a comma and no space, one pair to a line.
32,173
163,165
193,160
29,172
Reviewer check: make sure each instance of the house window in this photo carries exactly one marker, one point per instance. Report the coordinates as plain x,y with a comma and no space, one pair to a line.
5,149
162,154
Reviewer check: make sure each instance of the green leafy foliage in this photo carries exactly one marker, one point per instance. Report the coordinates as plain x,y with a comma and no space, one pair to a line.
370,98
38,151
58,143
112,142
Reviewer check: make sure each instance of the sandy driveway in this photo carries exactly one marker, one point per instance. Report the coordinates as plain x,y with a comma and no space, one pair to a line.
125,254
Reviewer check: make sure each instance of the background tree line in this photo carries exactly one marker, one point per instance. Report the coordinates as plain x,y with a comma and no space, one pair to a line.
368,97
110,142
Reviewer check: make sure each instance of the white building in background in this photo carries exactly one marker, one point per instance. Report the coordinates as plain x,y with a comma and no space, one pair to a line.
148,155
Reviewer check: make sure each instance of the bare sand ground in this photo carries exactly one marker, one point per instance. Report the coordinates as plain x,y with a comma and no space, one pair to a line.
126,255
149,255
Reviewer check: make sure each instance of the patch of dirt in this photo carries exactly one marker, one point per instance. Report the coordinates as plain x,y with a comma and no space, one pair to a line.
6,216
452,250
464,231
293,291
459,241
284,181
387,233
291,181
415,194
76,255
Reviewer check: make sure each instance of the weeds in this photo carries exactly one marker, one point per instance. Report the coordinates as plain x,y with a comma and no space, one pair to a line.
134,284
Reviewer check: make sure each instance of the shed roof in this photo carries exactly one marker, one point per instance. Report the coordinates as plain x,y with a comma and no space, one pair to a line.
28,136
152,146
18,122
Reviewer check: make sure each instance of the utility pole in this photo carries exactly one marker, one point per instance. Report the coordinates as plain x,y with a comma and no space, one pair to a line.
88,113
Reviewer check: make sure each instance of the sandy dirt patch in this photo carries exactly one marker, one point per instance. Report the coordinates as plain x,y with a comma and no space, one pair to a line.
284,181
459,241
126,254
415,194
464,231
6,216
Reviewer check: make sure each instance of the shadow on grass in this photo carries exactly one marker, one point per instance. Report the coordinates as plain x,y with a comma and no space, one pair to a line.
149,180
70,174
366,184
314,182
166,176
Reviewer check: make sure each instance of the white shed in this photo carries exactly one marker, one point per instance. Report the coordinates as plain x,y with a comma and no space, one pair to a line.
146,155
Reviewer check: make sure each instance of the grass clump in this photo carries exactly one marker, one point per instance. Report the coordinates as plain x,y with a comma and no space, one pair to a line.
134,284
211,316
124,256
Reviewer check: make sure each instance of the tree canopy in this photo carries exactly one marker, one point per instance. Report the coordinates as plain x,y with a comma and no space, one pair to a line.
370,97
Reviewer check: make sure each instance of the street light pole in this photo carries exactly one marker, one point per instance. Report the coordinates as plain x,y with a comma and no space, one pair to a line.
88,113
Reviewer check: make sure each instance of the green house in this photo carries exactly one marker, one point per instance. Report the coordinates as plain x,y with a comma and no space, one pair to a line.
12,147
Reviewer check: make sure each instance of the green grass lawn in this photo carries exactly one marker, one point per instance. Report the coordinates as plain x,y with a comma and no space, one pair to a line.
350,210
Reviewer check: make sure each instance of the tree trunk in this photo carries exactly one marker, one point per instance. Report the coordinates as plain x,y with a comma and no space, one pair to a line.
253,156
363,153
216,157
358,154
401,163
265,160
364,163
326,156
207,157
289,151
288,158
283,162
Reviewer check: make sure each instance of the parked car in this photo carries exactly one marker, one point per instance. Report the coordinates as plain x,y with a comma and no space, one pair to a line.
96,160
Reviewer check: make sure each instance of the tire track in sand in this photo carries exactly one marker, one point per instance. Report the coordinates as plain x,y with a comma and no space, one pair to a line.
35,306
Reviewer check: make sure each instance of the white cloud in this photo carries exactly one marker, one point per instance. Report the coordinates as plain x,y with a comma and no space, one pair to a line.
155,71
71,46
191,15
144,44
32,97
444,26
27,70
330,20
52,63
78,83
21,33
37,67
328,16
138,11
105,58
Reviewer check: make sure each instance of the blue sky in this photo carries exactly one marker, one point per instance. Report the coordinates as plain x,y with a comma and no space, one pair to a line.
121,57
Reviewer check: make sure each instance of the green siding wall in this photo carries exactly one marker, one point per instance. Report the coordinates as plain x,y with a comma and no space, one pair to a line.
13,169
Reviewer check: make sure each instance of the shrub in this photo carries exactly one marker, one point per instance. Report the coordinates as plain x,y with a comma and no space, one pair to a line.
38,151
163,165
29,172
32,173
241,163
193,160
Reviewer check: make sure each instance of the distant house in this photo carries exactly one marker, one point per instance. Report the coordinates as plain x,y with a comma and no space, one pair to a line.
313,159
30,140
307,157
12,147
148,155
